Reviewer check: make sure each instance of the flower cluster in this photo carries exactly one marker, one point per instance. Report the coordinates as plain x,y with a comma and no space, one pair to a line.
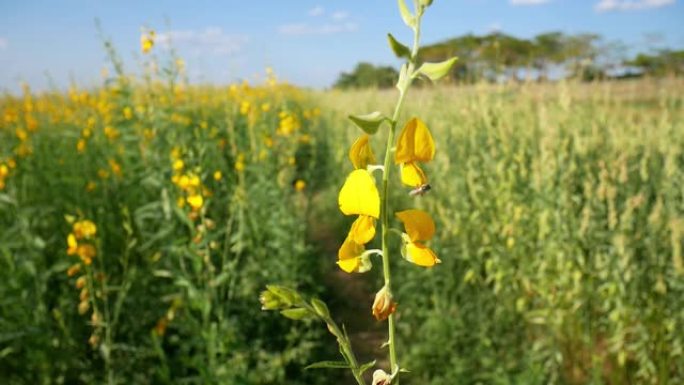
190,185
79,242
359,196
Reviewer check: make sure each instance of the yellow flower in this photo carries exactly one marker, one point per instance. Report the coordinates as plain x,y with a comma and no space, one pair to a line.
81,145
4,171
363,229
147,41
415,144
195,201
350,257
217,175
300,185
74,269
86,252
419,228
361,153
84,229
412,175
359,195
72,244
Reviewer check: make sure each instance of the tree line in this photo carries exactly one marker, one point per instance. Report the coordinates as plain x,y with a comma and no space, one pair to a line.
501,57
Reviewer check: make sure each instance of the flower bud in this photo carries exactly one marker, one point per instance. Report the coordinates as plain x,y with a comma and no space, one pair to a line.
380,377
383,305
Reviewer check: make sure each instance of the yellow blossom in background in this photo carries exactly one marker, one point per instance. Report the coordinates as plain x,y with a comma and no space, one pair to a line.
300,185
81,145
195,201
115,167
244,108
419,228
240,163
111,133
218,175
178,165
84,229
147,41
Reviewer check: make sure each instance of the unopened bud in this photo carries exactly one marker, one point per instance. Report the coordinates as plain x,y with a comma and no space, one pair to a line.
380,377
383,305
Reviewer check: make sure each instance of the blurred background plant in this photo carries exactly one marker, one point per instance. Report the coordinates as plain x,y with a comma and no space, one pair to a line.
560,208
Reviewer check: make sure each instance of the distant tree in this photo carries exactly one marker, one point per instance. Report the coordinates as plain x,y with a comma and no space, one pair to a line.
366,75
548,49
664,62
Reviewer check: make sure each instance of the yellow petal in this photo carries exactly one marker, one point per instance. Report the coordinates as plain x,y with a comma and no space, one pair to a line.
421,255
415,143
412,175
363,229
349,255
359,196
418,224
361,153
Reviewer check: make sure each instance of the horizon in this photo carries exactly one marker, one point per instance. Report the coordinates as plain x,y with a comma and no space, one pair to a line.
307,44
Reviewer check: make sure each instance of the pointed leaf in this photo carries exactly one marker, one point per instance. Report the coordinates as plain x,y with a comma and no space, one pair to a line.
366,366
328,365
399,49
436,71
406,15
369,123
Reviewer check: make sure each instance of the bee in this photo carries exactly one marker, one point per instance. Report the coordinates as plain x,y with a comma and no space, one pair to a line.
420,190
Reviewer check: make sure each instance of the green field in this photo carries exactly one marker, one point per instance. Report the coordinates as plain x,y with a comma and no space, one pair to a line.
560,226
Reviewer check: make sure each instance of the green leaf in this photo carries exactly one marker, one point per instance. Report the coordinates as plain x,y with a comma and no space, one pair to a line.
369,123
328,365
320,307
366,366
399,49
406,15
436,71
296,313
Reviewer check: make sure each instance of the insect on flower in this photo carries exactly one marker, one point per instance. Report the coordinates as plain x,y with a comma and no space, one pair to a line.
420,190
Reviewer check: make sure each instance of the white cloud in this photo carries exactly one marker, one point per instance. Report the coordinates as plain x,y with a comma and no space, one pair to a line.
630,5
340,15
3,43
316,11
209,40
321,29
528,2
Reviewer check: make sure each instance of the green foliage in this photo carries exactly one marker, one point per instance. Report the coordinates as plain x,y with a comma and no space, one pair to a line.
366,75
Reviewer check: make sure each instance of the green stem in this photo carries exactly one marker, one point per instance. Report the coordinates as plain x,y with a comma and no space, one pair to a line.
403,88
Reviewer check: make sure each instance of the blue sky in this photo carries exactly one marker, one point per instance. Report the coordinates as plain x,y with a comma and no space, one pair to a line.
307,42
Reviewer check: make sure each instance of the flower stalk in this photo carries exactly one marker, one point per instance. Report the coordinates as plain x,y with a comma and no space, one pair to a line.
403,85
